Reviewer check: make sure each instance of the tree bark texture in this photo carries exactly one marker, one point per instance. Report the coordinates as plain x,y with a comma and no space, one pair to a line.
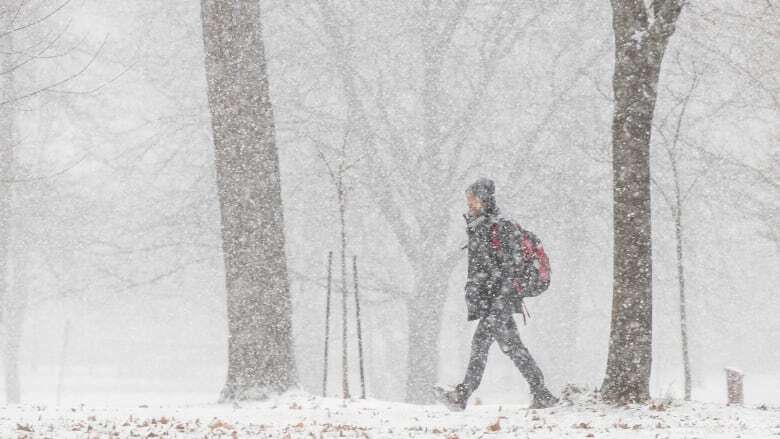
424,320
260,349
424,323
427,301
639,48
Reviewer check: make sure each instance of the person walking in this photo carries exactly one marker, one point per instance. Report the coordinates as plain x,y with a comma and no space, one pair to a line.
492,298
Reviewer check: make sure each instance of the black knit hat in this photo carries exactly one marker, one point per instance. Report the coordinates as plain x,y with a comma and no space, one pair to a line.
485,190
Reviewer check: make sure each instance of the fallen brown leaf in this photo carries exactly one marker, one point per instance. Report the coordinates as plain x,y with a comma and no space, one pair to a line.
218,423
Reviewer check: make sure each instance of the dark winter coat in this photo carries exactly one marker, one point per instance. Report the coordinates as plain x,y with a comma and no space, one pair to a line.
489,285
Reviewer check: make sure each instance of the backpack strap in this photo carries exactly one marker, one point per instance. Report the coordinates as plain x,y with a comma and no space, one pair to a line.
524,311
495,243
495,240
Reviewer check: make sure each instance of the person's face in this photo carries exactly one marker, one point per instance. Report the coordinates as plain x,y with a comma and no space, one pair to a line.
474,203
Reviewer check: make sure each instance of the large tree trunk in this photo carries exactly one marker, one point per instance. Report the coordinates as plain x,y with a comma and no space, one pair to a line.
426,304
424,318
639,49
260,351
433,266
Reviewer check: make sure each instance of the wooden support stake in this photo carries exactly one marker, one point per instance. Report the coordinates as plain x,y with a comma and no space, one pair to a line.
327,325
359,330
734,386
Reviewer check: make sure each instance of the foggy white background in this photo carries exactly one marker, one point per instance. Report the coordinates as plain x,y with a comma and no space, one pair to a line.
116,222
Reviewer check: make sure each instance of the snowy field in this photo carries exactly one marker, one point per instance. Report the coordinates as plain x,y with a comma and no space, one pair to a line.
299,415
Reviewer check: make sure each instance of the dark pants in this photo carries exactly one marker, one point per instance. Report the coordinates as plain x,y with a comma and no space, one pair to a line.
500,327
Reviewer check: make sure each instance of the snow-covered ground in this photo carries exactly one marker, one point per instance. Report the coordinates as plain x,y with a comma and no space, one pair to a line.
298,414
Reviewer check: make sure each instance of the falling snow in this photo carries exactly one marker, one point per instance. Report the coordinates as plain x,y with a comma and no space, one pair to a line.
238,217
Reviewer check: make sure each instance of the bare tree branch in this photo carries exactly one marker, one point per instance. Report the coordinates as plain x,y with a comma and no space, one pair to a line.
34,22
52,87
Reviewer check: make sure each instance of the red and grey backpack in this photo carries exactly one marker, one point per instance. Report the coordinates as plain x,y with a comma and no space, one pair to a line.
530,264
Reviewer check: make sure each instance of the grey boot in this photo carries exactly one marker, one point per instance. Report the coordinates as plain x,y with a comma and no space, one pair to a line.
456,398
543,399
